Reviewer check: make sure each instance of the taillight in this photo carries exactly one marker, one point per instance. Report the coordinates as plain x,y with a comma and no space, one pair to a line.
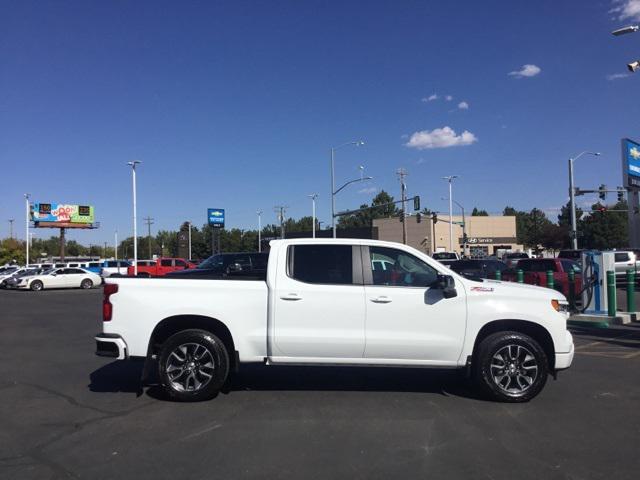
107,308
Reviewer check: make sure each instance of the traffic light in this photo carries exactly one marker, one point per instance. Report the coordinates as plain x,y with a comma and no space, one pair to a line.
416,203
620,194
602,193
401,217
434,218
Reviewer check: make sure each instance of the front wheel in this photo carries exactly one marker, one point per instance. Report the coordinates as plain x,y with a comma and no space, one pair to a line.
86,284
510,367
193,365
37,285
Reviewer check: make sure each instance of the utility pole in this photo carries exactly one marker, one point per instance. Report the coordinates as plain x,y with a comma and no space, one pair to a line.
149,221
259,213
11,220
281,210
403,191
135,218
27,208
313,197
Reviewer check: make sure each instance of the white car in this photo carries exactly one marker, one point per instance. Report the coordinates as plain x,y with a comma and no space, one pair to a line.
11,272
327,302
60,278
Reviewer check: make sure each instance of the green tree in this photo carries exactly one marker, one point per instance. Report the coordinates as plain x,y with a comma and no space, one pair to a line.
531,227
604,229
479,213
509,212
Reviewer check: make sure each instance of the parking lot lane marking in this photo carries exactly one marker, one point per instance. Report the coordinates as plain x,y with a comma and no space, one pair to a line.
632,355
201,432
609,354
592,344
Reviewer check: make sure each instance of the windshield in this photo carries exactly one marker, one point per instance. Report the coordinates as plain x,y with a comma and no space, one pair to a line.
215,262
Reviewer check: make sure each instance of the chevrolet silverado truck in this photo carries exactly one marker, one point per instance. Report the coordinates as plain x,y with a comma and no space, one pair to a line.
338,302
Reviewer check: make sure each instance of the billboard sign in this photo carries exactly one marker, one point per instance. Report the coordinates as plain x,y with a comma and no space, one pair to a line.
62,213
631,159
215,217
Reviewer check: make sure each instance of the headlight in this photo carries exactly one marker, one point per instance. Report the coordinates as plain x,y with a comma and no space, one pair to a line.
561,306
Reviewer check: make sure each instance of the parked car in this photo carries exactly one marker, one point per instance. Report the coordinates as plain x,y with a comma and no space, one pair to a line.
512,258
535,272
245,265
480,268
7,273
159,267
445,257
114,267
322,302
60,278
624,261
12,280
574,255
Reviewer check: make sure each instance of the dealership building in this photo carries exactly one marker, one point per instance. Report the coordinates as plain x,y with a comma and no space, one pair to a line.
485,235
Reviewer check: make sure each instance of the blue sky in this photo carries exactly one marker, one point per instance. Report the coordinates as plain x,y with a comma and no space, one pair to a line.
236,104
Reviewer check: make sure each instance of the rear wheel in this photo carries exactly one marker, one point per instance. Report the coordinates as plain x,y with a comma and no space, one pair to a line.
36,285
510,367
193,366
86,284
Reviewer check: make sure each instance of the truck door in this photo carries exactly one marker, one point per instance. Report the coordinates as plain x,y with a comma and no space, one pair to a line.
319,308
407,316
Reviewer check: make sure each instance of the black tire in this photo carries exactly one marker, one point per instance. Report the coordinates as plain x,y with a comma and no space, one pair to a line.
36,285
86,284
204,355
510,367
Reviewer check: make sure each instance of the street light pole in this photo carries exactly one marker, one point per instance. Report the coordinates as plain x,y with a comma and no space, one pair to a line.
26,199
115,245
189,241
259,212
572,199
450,180
313,197
333,182
135,218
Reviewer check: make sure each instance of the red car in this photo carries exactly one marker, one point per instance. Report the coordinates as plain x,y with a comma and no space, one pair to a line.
160,267
535,273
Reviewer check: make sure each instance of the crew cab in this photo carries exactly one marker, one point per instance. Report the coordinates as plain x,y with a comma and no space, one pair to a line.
329,302
159,267
535,273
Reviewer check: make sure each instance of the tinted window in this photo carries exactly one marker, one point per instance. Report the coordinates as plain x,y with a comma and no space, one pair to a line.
75,271
568,265
259,261
536,265
180,263
112,264
401,269
165,263
444,256
327,264
622,257
94,265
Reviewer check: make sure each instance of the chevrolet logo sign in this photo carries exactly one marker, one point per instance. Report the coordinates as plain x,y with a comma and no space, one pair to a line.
635,153
219,214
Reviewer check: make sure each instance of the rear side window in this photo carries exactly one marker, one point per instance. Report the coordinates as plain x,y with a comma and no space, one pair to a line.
622,257
180,263
323,264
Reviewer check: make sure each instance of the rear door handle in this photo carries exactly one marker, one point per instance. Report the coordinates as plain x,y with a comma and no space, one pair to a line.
291,296
381,299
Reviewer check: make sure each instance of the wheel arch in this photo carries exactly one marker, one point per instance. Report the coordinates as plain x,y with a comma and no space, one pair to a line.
172,325
534,330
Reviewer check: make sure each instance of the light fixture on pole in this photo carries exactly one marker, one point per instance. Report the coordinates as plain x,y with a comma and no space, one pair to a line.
26,200
135,218
259,213
572,199
357,143
450,180
313,197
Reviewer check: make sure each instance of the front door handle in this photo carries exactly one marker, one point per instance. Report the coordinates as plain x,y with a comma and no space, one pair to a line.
381,299
291,296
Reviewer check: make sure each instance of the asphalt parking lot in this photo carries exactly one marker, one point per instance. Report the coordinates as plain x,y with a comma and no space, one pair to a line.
65,413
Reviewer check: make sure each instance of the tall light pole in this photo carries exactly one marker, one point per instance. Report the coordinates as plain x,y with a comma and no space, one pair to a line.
115,245
313,197
26,218
464,227
259,213
572,199
135,218
357,143
402,173
450,180
11,220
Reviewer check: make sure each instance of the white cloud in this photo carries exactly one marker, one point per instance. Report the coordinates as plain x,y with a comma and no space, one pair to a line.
420,161
440,138
626,9
368,190
616,76
527,70
430,98
448,98
463,106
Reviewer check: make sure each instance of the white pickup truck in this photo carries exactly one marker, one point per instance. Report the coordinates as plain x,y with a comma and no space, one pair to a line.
339,302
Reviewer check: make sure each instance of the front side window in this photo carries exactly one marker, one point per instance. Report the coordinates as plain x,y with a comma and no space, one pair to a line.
621,257
323,264
401,269
165,263
180,263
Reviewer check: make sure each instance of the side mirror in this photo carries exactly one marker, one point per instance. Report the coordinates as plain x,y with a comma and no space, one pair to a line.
447,285
234,267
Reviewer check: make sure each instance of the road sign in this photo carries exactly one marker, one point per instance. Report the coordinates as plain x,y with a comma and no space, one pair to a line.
215,217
